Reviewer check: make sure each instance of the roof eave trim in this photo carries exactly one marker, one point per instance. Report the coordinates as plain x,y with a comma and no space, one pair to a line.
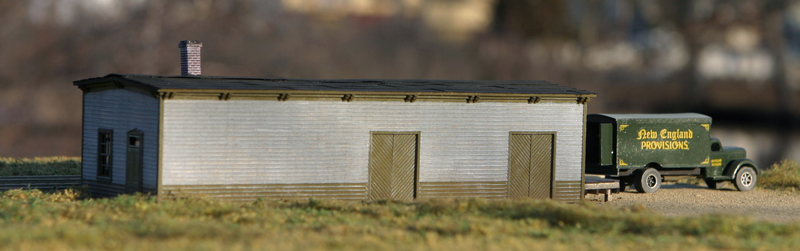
347,96
269,91
115,82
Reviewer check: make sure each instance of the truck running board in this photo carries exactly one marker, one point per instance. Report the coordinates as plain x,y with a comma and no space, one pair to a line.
664,172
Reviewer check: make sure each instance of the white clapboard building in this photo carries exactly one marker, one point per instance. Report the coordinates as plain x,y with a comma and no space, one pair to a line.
245,138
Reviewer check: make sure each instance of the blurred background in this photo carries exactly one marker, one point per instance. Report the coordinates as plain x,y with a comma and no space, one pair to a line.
737,61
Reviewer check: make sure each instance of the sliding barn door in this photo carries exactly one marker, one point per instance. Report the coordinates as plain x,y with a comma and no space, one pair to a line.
530,165
393,166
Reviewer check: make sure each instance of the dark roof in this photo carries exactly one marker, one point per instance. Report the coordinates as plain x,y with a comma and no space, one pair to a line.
158,83
655,117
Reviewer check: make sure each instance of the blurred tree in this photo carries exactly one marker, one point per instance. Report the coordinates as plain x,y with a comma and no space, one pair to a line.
533,19
773,18
49,44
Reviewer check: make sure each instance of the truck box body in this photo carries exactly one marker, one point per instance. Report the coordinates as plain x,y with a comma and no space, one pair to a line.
618,143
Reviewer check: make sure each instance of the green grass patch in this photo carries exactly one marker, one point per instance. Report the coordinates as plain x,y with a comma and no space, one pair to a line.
32,220
784,175
40,166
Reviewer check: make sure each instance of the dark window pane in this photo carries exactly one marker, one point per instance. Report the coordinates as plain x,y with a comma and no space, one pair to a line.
104,153
133,141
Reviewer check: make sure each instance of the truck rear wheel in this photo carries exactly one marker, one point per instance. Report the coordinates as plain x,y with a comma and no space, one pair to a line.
647,181
745,179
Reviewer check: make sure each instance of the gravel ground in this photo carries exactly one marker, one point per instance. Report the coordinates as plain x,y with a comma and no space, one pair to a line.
680,199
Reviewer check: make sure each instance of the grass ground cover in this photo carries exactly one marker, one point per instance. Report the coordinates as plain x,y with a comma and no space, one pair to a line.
66,220
784,175
40,166
32,220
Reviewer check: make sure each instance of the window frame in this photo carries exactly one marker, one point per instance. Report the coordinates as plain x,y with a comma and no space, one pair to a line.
104,170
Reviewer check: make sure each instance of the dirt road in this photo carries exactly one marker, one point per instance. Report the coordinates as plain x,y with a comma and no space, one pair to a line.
679,199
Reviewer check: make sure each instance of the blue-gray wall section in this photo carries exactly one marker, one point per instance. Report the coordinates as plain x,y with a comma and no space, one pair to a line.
120,110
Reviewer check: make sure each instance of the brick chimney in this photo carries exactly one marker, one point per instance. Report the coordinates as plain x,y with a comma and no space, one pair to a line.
190,57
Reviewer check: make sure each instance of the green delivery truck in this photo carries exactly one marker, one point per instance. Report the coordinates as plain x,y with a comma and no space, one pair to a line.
641,149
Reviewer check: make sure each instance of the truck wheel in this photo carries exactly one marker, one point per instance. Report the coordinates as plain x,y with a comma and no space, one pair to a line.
713,184
647,181
745,179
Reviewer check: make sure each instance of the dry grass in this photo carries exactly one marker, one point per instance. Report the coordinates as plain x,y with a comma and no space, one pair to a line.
65,220
784,175
32,220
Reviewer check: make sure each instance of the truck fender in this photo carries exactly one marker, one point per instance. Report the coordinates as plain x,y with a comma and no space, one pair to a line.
737,164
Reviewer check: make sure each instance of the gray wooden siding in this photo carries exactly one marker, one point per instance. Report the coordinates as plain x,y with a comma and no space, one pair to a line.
211,142
120,110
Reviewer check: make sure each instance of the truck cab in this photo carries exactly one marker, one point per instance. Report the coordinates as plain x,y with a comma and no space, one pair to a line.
727,161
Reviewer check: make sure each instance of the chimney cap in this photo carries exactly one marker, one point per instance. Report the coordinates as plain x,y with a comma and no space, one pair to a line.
184,43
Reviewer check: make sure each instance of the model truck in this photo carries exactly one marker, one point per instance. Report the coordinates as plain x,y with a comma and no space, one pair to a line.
640,149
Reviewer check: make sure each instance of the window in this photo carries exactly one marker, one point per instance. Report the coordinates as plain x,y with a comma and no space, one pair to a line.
715,147
134,141
105,140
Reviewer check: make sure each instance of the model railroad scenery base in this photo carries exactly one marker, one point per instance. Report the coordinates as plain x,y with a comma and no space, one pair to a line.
248,138
179,162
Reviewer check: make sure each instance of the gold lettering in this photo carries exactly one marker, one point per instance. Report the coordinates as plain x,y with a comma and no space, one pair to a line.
644,134
674,135
665,145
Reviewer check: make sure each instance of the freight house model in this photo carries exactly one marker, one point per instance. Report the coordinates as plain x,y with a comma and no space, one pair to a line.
245,138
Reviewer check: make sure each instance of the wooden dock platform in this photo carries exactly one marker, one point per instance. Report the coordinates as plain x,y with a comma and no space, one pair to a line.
597,185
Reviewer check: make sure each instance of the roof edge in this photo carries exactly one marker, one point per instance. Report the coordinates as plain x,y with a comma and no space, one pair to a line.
140,81
653,116
116,81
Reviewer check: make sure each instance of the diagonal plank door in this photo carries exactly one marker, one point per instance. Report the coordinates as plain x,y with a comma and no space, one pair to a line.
519,151
380,167
530,165
404,166
541,172
393,166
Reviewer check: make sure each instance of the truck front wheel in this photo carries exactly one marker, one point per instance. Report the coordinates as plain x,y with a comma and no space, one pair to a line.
745,179
647,181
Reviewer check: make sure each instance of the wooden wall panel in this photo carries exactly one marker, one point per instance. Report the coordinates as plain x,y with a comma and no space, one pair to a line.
217,142
249,192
